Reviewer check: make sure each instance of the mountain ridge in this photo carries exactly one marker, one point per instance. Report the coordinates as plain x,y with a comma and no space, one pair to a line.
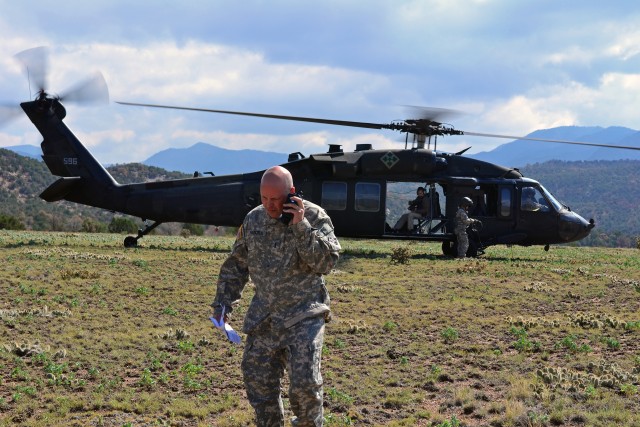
519,153
204,157
26,150
207,157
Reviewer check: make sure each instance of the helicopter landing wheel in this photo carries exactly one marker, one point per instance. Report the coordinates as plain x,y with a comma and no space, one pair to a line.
472,251
130,242
449,248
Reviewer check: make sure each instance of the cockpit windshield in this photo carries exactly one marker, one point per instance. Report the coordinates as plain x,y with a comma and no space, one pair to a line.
547,194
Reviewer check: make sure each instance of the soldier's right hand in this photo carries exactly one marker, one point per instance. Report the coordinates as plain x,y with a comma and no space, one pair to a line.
217,317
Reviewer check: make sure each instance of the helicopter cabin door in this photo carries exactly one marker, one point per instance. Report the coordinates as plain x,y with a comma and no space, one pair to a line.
356,208
536,218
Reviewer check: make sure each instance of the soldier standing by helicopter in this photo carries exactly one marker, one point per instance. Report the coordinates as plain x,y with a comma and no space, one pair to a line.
462,221
286,259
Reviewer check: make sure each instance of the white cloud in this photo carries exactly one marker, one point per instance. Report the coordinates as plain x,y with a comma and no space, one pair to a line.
307,143
97,138
571,55
523,114
610,103
514,67
7,140
613,44
202,74
624,42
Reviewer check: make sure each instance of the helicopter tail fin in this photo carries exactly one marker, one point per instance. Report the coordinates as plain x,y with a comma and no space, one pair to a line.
82,176
68,158
79,170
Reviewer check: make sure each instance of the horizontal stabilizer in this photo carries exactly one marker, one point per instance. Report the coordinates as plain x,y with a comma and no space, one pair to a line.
59,189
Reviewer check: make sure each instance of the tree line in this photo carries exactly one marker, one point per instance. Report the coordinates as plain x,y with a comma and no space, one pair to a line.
22,179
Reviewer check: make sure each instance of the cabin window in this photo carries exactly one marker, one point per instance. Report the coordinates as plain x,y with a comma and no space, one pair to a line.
334,196
505,202
367,197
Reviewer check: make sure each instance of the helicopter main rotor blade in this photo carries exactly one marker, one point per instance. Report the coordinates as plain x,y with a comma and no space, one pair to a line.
560,141
270,116
426,125
432,114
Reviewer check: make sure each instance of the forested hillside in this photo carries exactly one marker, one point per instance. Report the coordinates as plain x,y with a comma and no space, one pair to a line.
22,179
607,191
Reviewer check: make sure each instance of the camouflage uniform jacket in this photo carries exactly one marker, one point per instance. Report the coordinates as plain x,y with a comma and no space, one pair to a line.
462,221
421,205
286,264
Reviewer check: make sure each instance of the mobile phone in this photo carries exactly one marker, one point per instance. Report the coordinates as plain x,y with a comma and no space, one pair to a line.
286,217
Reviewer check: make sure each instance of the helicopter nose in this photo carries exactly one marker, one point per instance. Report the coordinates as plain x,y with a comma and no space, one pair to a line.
573,227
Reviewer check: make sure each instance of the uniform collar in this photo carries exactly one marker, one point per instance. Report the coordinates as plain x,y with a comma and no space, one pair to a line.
269,220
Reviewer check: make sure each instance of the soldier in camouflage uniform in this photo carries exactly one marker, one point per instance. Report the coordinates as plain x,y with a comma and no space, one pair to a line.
285,319
463,221
419,207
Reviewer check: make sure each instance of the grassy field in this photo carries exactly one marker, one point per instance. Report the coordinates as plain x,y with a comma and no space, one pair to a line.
92,334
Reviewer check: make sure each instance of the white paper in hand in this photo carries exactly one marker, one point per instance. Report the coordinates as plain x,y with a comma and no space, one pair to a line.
226,328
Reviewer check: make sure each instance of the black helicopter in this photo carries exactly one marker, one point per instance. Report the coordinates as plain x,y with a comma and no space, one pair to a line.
351,186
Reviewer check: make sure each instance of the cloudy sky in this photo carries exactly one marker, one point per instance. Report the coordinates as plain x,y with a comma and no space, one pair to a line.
510,66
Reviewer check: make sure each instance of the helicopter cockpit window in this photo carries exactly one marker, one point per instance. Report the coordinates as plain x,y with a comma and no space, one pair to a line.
533,201
555,203
367,197
334,196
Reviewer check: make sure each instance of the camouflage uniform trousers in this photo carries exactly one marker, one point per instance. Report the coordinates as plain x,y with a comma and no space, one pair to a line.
266,355
407,220
463,243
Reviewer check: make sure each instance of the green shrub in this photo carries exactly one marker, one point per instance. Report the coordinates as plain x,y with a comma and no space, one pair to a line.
122,225
90,225
523,344
193,229
449,335
400,255
8,222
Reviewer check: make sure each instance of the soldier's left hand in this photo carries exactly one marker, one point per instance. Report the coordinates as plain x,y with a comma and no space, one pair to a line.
297,210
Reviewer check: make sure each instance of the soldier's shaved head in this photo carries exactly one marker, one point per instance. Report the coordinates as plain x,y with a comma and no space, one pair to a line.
278,177
276,183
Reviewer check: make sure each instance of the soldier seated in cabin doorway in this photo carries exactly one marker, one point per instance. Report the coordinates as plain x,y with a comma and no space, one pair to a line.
419,207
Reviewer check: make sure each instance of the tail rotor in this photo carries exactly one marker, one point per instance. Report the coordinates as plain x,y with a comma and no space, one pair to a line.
93,90
35,62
